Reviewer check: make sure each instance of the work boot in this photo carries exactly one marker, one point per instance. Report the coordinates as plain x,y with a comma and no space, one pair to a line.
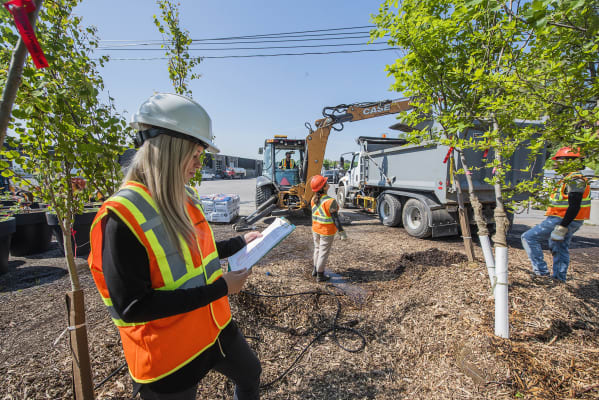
314,271
321,277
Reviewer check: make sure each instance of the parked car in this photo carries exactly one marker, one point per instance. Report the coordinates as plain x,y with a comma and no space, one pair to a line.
234,172
207,176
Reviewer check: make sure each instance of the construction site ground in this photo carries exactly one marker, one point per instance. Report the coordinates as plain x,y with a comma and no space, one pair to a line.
404,318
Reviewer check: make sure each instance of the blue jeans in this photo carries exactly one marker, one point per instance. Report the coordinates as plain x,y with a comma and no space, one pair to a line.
532,239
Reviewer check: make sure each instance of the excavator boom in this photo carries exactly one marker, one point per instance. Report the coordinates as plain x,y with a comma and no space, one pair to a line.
334,117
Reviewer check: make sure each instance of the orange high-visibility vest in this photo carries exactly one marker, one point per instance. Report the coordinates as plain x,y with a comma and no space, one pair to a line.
287,165
157,348
558,201
322,222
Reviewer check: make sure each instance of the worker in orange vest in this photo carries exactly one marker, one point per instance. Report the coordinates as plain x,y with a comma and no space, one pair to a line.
569,206
156,263
287,162
325,224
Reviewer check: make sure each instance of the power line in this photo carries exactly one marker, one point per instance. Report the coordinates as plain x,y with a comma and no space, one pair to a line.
255,36
260,55
252,48
352,35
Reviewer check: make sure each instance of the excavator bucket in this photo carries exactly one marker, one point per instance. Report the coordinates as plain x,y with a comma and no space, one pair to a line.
246,223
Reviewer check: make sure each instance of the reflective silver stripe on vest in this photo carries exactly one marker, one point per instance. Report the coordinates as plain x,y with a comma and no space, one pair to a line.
175,262
113,313
319,218
200,280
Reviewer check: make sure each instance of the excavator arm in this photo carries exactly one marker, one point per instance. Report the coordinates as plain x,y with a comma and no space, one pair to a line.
334,118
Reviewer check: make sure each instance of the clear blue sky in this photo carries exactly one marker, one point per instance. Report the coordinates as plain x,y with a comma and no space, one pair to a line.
250,99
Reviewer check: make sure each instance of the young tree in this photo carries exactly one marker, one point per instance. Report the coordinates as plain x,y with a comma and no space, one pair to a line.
461,59
180,64
65,131
176,43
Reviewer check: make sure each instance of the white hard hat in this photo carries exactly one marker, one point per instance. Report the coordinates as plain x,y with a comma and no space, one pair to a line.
179,116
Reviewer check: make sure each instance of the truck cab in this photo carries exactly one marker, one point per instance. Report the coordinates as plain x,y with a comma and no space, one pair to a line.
283,161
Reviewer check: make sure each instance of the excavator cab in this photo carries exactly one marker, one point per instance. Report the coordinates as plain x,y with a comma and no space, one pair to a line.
281,168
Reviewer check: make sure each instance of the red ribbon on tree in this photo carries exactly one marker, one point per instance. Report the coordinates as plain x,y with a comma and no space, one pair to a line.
448,154
19,10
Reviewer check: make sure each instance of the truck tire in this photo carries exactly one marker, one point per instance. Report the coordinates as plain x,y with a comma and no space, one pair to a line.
415,219
263,193
389,209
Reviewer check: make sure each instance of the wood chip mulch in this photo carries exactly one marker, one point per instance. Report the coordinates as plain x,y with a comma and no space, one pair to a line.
425,314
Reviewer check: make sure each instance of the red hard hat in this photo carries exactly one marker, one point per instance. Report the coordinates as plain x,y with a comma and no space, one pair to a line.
318,182
566,152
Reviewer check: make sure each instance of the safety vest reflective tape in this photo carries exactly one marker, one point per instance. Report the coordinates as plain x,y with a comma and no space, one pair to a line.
322,222
558,201
287,164
155,349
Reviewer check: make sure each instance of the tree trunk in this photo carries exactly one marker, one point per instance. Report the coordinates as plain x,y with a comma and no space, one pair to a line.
481,223
501,255
14,77
464,222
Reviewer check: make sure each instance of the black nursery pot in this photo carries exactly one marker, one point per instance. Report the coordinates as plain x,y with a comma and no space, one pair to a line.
7,228
81,226
32,234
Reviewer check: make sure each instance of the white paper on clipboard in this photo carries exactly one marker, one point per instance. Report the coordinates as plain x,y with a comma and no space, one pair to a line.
258,248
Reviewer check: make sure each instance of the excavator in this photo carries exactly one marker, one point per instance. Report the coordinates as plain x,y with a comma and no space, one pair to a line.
288,189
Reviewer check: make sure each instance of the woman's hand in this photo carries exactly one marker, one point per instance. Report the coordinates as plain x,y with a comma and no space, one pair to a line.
248,237
236,279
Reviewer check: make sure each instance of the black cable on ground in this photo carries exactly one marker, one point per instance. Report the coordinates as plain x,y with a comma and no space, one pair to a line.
334,327
113,373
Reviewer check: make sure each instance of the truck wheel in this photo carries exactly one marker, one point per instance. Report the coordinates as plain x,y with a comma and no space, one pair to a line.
341,197
389,209
263,193
415,219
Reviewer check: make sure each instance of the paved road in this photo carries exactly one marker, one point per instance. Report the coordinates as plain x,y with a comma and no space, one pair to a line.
246,189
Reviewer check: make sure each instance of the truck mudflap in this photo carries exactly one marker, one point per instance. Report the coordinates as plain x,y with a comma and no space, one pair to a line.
443,223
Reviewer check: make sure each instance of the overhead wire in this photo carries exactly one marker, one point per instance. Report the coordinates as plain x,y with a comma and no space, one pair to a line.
334,38
259,48
250,36
260,55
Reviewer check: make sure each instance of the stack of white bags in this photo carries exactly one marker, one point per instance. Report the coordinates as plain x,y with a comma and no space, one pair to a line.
220,207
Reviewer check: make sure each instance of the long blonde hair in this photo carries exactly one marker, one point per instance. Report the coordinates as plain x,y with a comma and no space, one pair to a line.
160,165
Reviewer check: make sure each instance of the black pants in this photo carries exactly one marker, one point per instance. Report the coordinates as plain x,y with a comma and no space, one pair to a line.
240,364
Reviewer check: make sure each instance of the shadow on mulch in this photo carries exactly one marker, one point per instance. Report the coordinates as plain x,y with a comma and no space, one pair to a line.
23,278
428,258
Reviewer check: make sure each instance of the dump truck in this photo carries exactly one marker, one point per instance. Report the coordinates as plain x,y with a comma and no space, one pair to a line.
415,185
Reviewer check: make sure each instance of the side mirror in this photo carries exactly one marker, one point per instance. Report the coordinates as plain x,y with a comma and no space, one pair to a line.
341,162
260,150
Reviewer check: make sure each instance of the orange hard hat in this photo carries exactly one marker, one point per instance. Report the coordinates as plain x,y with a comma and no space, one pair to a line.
318,182
566,152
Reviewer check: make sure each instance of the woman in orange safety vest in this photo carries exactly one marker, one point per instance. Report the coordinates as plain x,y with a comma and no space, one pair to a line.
156,263
325,223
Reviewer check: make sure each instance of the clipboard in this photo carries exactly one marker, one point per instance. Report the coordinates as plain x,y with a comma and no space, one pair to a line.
253,252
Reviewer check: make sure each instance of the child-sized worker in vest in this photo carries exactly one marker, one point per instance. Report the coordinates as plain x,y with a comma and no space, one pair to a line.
325,224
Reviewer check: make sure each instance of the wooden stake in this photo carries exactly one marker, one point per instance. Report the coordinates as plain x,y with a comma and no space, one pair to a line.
83,387
464,222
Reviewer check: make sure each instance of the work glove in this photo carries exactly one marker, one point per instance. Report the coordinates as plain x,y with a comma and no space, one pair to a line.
559,233
342,235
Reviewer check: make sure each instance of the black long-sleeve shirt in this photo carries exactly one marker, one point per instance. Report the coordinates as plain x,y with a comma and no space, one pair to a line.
126,270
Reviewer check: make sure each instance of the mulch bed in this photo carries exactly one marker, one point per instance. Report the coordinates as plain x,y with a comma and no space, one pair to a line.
426,320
